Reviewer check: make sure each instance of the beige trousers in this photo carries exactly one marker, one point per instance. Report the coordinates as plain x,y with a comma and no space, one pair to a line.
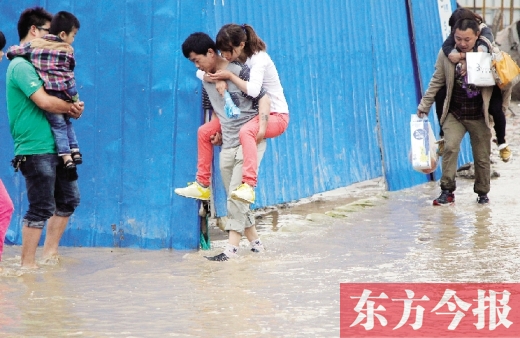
231,161
480,137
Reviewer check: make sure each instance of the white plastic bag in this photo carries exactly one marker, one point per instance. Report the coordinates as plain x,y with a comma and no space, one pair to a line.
479,69
424,149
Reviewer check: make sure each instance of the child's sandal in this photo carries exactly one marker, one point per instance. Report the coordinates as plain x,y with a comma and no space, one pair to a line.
70,173
69,164
76,157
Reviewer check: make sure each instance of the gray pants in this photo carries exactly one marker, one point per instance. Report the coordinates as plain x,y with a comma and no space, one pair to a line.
231,160
480,137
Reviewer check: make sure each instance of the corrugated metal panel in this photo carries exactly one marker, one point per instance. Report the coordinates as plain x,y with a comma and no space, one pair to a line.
329,89
346,67
138,135
394,85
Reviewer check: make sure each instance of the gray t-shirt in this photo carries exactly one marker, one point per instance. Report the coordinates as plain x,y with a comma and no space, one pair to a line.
211,99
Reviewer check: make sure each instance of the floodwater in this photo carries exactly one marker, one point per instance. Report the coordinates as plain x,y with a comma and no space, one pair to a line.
291,290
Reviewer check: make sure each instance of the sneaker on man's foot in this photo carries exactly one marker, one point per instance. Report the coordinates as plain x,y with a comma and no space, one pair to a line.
218,258
440,147
257,246
482,199
505,152
194,190
244,193
446,197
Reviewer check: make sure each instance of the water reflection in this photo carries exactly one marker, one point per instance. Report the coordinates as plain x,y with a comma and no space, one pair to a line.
9,315
292,290
46,302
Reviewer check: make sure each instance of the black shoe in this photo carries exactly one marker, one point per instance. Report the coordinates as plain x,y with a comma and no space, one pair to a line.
446,197
482,199
76,157
218,258
255,250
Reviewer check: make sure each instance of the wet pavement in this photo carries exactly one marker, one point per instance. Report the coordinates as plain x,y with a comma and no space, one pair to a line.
359,233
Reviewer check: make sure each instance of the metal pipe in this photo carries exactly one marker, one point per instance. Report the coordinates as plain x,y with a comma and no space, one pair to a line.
502,14
511,10
484,10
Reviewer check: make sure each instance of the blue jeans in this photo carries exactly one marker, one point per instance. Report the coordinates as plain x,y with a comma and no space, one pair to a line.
48,190
61,126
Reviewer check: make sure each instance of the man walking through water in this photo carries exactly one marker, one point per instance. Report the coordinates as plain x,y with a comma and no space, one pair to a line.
52,191
465,110
200,49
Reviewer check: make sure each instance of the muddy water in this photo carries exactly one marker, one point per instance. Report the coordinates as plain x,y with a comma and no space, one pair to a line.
292,290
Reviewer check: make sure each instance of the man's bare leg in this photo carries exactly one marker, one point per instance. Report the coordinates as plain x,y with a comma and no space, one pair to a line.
254,240
30,239
234,237
55,227
251,233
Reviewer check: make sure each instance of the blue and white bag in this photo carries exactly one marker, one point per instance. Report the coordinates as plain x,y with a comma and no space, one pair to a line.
424,155
232,111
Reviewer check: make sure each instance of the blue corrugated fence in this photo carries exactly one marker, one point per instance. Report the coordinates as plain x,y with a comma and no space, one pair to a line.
350,71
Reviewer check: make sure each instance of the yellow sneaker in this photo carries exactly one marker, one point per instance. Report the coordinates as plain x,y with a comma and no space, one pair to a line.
505,152
194,190
244,193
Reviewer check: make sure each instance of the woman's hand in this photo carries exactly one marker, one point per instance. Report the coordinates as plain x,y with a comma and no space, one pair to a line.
221,75
207,78
456,57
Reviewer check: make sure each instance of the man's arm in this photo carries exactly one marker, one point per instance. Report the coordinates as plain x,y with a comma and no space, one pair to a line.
57,106
216,139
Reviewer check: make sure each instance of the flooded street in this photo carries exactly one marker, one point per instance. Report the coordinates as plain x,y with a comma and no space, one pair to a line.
354,234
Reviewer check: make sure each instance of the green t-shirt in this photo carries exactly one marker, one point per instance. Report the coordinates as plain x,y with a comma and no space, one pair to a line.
30,129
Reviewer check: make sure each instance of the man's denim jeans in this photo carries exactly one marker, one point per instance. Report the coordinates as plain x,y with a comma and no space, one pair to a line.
48,190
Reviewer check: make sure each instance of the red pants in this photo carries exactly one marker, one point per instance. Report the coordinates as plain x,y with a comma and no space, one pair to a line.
276,125
6,210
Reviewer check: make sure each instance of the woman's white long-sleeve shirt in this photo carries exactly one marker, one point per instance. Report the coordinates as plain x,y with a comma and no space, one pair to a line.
263,74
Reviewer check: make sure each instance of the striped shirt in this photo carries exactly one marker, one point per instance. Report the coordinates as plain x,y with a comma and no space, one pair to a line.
52,58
